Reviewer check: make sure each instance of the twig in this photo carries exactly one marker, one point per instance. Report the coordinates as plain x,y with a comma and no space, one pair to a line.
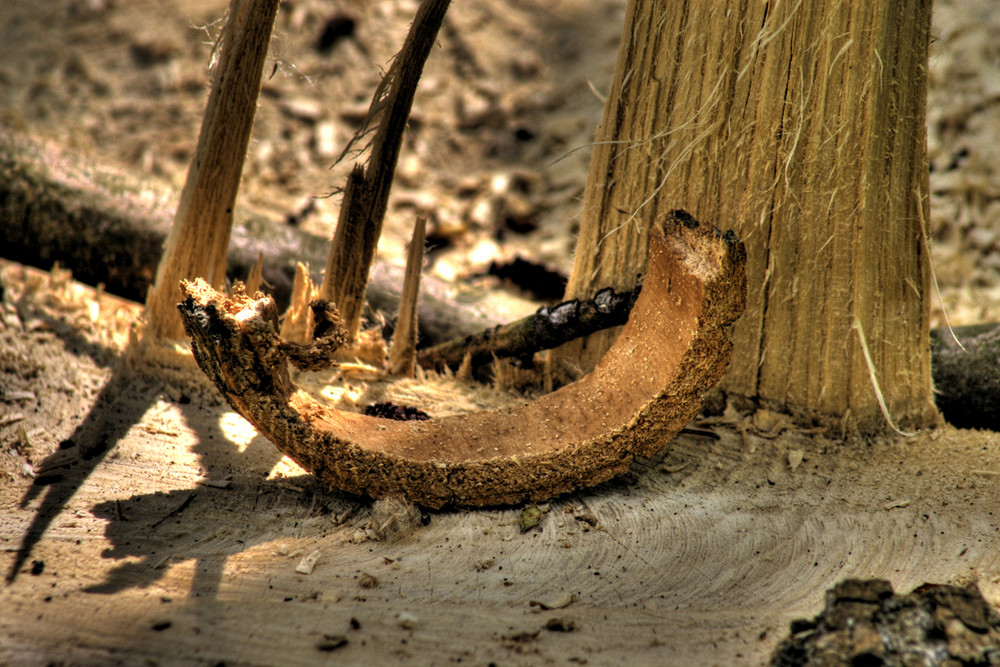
546,329
188,497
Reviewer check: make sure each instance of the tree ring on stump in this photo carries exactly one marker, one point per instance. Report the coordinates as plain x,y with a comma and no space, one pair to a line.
647,387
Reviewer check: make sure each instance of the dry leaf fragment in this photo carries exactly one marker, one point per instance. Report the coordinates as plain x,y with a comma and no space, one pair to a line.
531,516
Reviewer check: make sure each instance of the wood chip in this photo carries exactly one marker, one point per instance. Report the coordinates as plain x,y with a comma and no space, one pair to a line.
10,419
307,564
9,396
560,602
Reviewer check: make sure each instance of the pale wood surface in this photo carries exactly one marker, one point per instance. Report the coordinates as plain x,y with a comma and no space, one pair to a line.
700,556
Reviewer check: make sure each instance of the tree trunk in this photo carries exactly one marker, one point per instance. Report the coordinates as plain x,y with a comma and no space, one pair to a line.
801,126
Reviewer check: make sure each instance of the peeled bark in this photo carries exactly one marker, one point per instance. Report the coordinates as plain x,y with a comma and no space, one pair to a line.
648,386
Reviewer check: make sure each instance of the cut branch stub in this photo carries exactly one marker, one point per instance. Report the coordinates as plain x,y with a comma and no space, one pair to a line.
647,387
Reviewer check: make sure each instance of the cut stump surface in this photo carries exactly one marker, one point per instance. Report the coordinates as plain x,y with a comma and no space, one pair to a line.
647,387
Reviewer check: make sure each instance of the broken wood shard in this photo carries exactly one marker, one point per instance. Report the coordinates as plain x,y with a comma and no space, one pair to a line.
648,386
403,353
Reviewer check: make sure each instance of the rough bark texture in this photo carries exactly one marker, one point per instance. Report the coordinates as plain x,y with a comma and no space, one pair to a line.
645,390
199,238
802,126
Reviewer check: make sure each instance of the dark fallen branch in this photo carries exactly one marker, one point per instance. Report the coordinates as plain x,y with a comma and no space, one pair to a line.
967,381
547,328
965,366
109,227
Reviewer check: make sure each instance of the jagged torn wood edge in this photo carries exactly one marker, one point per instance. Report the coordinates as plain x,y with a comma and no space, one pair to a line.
646,388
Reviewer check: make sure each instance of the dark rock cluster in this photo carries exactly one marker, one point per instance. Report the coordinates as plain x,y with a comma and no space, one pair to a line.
865,623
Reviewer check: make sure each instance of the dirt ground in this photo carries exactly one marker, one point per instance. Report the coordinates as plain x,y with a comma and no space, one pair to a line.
147,522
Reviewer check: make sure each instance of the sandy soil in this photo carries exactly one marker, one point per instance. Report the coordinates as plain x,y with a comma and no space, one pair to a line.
147,522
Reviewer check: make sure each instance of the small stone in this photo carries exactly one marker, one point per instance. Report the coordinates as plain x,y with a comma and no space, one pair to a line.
795,457
531,516
302,108
407,621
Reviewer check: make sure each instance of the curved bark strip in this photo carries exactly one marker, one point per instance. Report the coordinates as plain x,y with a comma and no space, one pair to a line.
647,387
